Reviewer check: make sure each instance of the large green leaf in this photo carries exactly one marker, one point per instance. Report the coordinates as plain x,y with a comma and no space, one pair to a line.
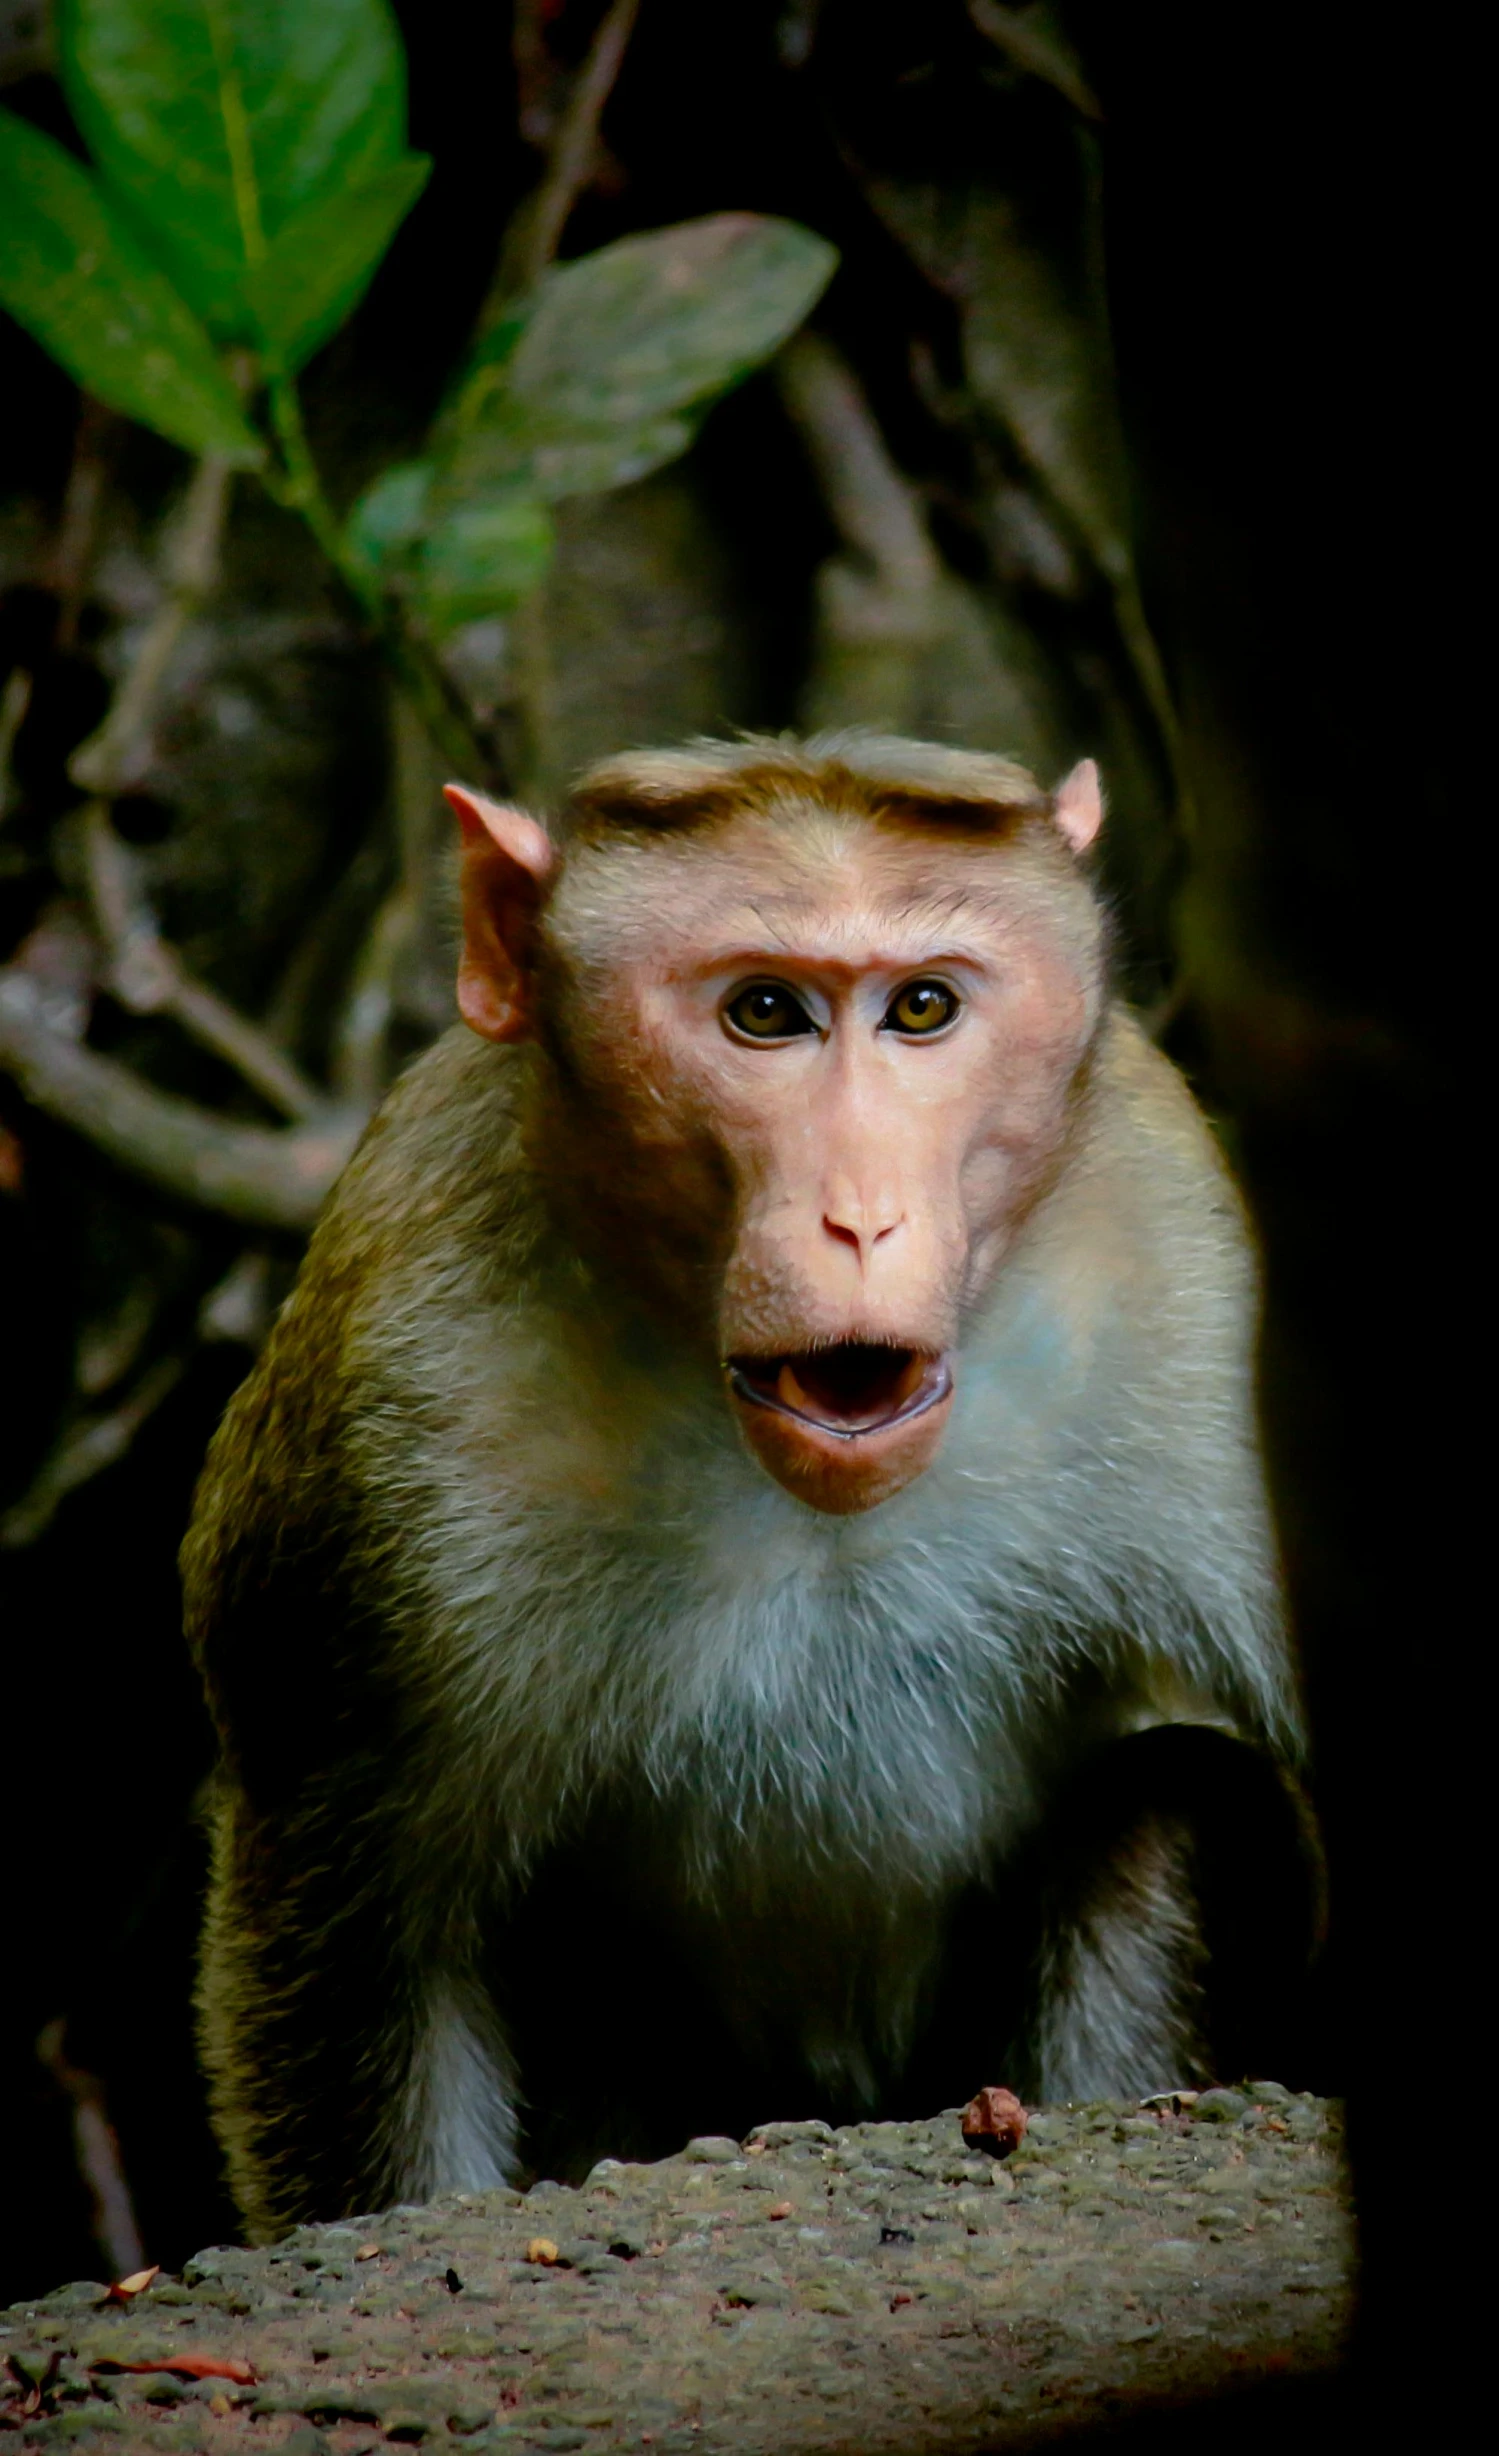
74,275
617,345
221,120
322,261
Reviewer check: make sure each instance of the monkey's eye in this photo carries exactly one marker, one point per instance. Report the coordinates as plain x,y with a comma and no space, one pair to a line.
922,1006
767,1011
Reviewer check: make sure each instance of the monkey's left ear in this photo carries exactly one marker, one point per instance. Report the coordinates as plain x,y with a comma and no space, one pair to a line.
1077,805
507,861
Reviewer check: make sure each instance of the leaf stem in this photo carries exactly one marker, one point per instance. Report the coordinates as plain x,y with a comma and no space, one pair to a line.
416,666
303,487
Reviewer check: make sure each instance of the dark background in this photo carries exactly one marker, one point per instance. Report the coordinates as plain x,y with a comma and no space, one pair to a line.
1280,226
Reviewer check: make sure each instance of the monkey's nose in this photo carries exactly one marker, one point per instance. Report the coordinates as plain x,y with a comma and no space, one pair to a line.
852,1225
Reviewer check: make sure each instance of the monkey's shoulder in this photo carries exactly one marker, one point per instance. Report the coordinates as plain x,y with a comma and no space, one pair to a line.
1149,1144
277,1508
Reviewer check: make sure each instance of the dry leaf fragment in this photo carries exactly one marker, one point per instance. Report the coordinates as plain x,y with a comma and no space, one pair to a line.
125,2288
190,2366
541,2251
368,2251
782,2208
994,2121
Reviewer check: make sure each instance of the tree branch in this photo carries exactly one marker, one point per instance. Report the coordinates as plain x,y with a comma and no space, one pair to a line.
873,507
88,1446
149,976
536,228
112,757
1033,42
265,1178
78,530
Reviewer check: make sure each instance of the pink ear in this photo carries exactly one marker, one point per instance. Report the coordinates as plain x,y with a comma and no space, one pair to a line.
1077,805
507,860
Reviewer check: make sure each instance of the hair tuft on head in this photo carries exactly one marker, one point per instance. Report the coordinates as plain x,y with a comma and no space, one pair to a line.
852,773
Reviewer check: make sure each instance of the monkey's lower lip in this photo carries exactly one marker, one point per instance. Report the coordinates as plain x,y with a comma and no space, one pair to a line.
847,1390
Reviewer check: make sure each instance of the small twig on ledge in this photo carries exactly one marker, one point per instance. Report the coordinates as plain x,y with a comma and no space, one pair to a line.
536,227
263,1177
149,977
111,758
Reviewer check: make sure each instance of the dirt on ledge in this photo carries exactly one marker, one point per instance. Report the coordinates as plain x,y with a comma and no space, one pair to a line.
867,2290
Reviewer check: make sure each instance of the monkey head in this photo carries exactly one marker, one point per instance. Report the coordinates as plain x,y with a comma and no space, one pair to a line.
811,1021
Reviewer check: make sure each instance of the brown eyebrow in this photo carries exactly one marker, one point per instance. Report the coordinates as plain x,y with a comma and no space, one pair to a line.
769,960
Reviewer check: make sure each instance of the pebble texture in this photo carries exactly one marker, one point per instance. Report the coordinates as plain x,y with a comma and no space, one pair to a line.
874,2289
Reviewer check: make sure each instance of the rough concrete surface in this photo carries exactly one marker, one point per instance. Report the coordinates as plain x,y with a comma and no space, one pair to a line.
868,2290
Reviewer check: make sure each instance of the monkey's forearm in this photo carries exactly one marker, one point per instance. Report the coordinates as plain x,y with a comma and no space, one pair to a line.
351,2062
1120,1994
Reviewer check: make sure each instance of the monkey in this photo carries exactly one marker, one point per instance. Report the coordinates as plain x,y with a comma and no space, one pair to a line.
756,1468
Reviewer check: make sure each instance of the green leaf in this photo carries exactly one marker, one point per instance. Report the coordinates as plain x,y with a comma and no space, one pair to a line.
554,463
653,324
482,559
617,345
388,519
322,261
74,275
221,120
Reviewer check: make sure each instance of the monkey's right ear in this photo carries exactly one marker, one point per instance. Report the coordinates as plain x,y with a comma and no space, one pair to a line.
507,861
1077,805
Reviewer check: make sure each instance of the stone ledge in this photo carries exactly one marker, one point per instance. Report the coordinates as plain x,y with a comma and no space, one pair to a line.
867,2290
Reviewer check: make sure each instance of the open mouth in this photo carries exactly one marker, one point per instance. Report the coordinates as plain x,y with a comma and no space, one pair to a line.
850,1389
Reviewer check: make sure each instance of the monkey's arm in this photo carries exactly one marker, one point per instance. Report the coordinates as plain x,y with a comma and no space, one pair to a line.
350,2059
1181,1913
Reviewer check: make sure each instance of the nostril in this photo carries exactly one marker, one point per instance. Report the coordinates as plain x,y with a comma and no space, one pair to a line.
840,1229
880,1234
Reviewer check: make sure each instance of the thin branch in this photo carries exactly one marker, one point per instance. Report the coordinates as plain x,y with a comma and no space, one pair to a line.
149,977
88,1445
115,2227
1032,41
360,1043
112,758
78,530
15,699
536,228
239,1307
873,507
264,1178
419,669
536,72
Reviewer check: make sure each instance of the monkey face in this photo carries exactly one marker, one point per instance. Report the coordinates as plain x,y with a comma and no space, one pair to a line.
816,1080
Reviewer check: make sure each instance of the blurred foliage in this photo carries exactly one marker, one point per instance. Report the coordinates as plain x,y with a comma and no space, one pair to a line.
597,379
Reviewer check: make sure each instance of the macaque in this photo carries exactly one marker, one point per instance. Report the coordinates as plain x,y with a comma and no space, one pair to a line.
740,1585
